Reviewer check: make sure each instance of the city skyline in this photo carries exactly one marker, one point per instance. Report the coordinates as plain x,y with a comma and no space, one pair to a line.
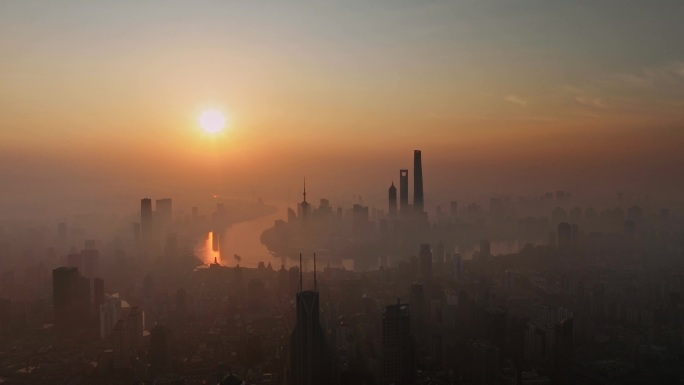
386,192
581,96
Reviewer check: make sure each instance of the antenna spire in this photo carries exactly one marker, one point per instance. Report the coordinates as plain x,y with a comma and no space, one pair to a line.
305,188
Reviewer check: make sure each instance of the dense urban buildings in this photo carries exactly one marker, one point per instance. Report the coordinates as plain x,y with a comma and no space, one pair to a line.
532,290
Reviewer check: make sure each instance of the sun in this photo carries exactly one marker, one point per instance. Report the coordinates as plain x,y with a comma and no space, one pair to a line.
212,121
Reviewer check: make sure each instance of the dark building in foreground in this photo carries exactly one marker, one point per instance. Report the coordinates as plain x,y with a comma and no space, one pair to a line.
71,298
310,362
418,202
426,263
485,363
398,361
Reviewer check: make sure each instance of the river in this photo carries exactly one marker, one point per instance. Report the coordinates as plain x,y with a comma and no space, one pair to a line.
242,239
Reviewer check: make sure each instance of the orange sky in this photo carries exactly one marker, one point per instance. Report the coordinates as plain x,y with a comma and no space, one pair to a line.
500,99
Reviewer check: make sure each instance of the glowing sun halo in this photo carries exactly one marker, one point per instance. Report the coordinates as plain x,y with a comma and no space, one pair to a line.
212,121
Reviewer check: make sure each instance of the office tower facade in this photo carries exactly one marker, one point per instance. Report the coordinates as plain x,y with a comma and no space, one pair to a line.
309,356
110,313
71,298
159,346
418,203
398,363
120,344
134,327
485,363
360,220
392,201
418,307
425,259
403,190
63,279
146,226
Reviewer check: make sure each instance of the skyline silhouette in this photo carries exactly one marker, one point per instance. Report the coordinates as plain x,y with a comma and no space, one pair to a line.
387,192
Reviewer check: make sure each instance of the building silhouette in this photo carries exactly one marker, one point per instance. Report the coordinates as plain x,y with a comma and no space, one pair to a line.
425,263
392,201
120,344
134,328
304,208
146,226
110,314
417,181
159,349
71,298
418,307
309,356
403,190
398,361
485,363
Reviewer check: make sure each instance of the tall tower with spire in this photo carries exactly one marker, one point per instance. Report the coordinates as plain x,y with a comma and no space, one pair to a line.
392,201
304,208
309,356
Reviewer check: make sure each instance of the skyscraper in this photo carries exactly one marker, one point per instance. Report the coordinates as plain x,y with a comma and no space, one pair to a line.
71,297
485,363
134,328
392,201
304,207
309,356
146,219
63,279
159,350
417,181
120,345
403,190
110,313
398,366
426,263
418,307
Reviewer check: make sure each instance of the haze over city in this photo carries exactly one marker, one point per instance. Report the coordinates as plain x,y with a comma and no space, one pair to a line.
492,191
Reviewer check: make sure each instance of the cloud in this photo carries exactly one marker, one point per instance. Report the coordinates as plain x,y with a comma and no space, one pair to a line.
515,99
591,101
669,75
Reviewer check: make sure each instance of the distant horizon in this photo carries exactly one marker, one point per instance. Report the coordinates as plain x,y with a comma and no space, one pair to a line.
105,98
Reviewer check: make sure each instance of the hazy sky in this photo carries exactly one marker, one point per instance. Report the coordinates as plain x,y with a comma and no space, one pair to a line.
502,96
